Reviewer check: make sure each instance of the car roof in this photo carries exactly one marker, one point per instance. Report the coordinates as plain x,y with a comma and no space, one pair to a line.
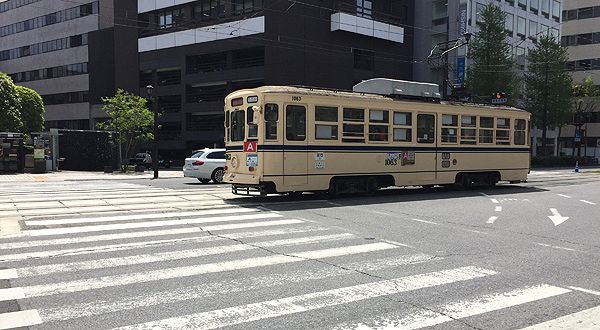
208,150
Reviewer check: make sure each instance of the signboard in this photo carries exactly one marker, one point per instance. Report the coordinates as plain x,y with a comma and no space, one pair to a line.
460,70
250,146
320,160
499,101
252,160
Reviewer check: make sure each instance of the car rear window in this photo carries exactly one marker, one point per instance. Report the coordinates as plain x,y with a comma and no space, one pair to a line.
216,155
197,155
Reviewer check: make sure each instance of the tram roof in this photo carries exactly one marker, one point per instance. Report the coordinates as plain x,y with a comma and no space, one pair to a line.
303,90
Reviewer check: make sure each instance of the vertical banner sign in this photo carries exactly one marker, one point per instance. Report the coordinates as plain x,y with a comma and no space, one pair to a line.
460,70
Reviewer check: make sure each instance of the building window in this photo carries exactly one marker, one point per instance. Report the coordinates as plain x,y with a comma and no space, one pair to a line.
546,7
364,8
555,9
478,10
523,4
533,30
209,9
246,6
509,24
364,59
534,5
440,12
583,13
521,26
168,77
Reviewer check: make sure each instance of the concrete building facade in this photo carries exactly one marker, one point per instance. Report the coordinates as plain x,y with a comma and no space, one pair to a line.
196,52
57,48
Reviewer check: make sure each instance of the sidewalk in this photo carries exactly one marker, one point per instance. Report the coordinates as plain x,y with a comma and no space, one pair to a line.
81,175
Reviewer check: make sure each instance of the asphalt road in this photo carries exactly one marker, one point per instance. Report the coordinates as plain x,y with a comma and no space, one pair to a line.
174,253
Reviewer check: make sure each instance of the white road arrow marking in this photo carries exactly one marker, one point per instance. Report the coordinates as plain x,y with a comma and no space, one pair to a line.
556,217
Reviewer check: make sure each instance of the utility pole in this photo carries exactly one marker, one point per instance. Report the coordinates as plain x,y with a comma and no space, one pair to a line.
545,113
153,96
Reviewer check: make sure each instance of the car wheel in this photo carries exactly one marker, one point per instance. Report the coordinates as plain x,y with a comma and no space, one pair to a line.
217,175
204,180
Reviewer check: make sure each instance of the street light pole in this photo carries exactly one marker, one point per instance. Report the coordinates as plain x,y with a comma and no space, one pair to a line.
154,99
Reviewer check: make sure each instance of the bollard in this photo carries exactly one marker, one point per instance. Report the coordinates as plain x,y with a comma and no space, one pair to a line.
576,166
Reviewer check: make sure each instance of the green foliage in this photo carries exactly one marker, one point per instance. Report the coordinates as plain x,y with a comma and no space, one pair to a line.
32,110
491,69
586,97
10,106
548,84
129,116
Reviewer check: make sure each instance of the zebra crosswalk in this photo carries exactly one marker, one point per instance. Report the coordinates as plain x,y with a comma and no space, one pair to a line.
227,265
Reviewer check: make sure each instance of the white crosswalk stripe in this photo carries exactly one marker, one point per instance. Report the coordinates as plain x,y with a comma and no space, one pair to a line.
168,253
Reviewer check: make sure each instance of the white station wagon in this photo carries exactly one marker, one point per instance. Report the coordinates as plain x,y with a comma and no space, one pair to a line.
205,165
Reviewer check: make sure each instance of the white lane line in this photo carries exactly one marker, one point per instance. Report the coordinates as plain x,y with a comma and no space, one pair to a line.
312,301
495,201
492,219
587,202
177,272
462,309
11,294
498,209
252,224
225,287
565,196
597,293
167,256
147,224
99,238
474,231
127,217
6,274
557,247
586,319
19,319
425,221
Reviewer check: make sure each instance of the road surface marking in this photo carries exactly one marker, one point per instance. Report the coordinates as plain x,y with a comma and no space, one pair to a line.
498,209
587,202
586,319
11,294
425,221
597,293
19,319
475,231
225,287
165,215
565,196
492,219
172,255
177,272
312,301
557,247
6,274
157,223
556,218
495,201
462,309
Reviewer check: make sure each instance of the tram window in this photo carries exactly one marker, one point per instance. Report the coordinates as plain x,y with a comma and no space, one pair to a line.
402,118
238,125
378,133
403,134
326,132
468,136
503,123
449,120
486,122
425,129
520,138
351,114
486,136
295,123
226,126
326,113
520,124
252,127
271,117
502,136
449,135
354,131
467,121
379,116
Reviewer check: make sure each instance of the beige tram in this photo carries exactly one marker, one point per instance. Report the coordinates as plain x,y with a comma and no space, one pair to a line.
282,139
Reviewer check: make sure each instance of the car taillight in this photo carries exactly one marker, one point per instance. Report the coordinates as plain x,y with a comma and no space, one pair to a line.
198,162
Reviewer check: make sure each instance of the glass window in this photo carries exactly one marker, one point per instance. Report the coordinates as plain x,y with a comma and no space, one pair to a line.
326,113
486,136
467,121
520,124
353,132
555,9
534,5
533,29
238,125
216,155
521,26
449,120
587,12
379,116
523,4
468,136
295,123
271,117
425,128
403,134
378,133
509,23
503,123
502,137
364,8
449,135
546,6
252,127
351,114
402,118
520,138
326,132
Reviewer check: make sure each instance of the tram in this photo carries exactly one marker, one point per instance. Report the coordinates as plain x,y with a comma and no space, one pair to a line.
286,139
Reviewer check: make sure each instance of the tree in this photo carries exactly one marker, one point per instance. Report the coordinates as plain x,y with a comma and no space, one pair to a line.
130,118
32,110
10,106
548,86
586,99
492,65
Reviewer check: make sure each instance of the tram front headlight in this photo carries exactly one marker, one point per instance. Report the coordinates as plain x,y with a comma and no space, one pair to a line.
234,162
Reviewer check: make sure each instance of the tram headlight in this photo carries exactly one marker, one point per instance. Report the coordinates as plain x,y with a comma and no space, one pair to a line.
234,162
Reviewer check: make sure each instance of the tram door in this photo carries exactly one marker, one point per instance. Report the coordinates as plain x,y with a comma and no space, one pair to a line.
427,144
295,155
